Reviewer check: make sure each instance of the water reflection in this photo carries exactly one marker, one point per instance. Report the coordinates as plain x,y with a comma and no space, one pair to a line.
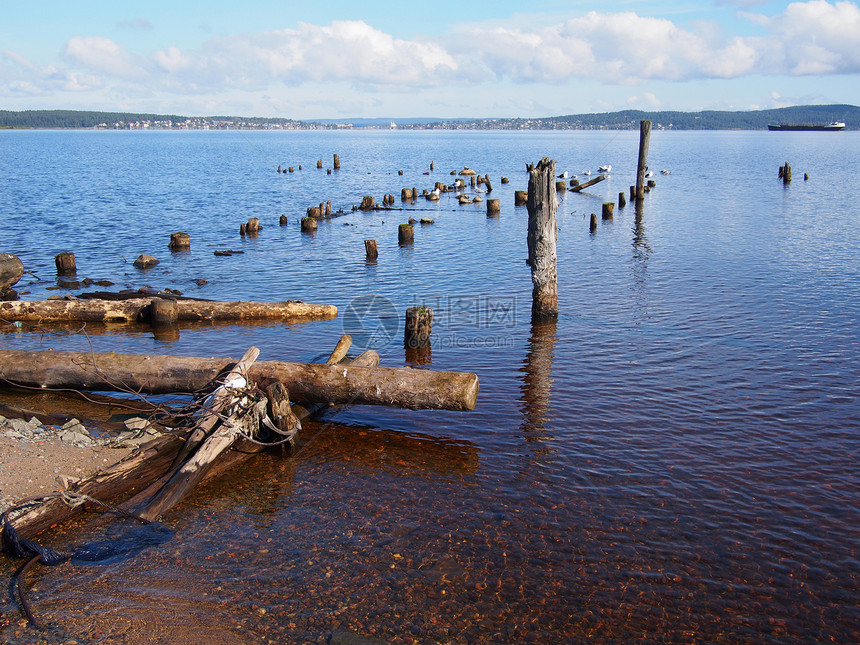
536,389
641,255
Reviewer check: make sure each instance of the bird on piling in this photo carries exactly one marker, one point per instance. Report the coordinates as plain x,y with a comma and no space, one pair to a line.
563,175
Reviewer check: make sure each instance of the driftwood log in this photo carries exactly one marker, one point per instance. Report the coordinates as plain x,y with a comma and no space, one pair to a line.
187,474
144,472
138,309
307,382
596,180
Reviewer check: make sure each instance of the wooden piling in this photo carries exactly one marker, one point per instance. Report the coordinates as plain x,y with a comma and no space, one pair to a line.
309,224
608,210
283,220
242,230
622,201
418,327
431,166
786,175
319,163
405,234
521,197
487,183
494,207
542,238
642,164
367,203
370,250
593,224
163,312
253,225
505,180
65,262
328,208
336,162
405,195
179,242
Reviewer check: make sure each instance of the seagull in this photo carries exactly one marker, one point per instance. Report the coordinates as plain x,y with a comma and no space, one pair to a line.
650,173
606,169
563,175
586,172
666,172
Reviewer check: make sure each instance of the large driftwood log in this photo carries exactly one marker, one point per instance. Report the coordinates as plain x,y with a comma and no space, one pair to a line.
138,309
144,473
191,471
307,382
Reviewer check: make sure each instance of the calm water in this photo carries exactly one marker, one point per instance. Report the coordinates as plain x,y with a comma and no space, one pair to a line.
673,461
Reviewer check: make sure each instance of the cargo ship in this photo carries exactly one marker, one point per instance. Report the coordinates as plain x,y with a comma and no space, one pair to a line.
789,127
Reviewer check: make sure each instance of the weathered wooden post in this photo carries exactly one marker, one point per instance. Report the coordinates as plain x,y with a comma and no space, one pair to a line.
494,207
283,220
179,242
368,203
521,197
405,195
593,224
431,165
328,208
253,226
336,162
371,253
309,225
487,183
542,238
405,234
642,165
608,210
65,262
786,175
163,312
419,325
633,193
622,201
319,163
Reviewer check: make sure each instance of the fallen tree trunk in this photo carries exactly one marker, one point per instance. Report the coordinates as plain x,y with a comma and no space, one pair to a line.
307,382
137,309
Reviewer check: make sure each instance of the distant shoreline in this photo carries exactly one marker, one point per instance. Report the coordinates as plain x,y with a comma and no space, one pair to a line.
623,120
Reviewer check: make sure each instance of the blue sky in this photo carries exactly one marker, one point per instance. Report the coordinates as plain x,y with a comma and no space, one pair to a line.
445,59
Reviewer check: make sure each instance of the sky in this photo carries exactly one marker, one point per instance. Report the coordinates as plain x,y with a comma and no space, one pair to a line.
444,59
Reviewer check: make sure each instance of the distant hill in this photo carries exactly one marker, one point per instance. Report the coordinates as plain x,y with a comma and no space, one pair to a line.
719,120
626,119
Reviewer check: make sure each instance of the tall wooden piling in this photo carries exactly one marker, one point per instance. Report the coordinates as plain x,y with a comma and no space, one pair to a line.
592,226
370,251
786,174
542,238
65,262
418,327
336,162
642,165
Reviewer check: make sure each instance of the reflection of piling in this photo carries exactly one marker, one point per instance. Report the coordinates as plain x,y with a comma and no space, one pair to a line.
371,253
542,237
642,165
65,262
418,326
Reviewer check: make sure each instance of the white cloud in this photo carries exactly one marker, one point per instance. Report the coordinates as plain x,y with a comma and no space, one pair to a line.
102,55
